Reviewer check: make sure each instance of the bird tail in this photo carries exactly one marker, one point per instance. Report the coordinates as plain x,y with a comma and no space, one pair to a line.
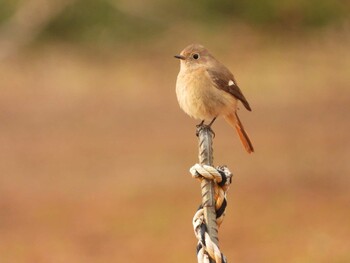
235,122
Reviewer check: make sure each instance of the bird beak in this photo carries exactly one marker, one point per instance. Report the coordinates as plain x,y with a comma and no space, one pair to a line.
180,57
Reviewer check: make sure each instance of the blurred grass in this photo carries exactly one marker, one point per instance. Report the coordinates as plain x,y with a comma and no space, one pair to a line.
91,21
7,9
95,151
121,21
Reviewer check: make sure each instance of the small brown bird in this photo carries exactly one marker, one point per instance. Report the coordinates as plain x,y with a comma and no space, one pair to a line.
206,89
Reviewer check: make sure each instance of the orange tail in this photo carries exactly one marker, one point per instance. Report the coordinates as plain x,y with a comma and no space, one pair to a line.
235,122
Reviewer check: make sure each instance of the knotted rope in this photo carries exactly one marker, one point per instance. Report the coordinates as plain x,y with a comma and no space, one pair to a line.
222,177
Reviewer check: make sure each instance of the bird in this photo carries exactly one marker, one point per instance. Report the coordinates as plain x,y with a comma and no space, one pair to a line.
206,89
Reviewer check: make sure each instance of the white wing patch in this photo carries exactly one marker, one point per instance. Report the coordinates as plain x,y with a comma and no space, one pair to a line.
231,83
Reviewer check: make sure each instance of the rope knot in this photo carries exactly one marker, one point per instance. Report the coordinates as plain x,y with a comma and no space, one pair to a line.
222,177
221,174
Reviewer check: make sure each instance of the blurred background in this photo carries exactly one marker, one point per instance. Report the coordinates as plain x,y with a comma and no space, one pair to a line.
95,151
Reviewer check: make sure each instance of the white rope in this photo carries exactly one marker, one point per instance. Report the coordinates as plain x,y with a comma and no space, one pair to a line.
207,171
206,248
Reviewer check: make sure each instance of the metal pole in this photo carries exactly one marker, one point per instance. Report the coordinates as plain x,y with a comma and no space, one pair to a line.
205,141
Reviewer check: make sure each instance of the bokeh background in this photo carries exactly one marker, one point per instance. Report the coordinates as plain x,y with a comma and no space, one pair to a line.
95,152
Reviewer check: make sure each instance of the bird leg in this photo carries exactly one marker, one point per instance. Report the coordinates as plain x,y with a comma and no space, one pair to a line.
212,122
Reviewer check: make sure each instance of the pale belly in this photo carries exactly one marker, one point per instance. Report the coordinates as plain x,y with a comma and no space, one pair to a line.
201,100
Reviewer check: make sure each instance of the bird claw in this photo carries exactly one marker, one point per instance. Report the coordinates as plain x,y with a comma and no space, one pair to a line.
202,126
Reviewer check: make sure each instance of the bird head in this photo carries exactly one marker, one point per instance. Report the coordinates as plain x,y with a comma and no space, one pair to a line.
194,56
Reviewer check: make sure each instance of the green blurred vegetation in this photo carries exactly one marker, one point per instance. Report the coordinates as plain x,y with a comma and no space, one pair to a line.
93,20
287,13
7,8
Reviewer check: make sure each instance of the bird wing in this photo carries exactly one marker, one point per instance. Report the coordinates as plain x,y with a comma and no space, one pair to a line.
224,80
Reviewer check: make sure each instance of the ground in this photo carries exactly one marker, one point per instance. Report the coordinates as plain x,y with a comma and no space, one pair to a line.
95,154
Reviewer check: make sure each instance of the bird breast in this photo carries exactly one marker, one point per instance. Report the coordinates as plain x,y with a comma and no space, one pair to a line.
199,98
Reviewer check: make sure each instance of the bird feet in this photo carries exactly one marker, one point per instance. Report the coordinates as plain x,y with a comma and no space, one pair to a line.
204,127
201,126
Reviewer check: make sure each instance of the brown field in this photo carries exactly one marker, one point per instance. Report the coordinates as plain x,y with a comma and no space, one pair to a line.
95,154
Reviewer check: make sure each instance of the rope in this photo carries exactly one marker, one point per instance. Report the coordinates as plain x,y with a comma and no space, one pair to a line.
206,248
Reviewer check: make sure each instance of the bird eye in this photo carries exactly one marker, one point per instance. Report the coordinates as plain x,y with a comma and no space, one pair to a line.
195,56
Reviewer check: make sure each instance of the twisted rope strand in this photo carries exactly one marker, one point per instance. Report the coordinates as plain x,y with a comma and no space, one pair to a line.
221,175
